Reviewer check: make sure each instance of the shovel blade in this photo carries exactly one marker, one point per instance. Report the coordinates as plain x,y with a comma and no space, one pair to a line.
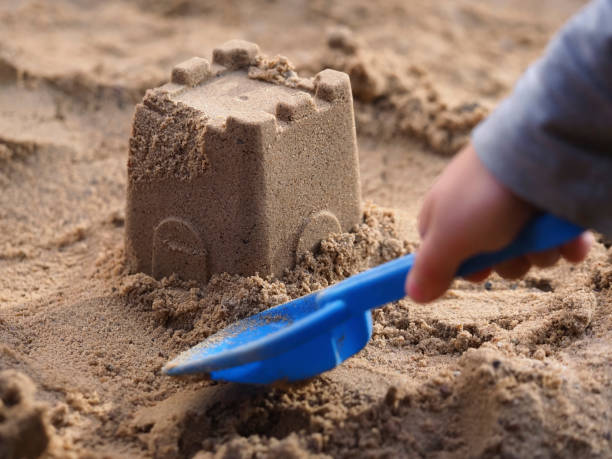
319,354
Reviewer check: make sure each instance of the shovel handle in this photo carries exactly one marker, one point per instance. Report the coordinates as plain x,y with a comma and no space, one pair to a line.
385,283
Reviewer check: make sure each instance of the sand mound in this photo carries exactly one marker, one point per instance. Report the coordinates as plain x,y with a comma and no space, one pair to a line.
23,424
489,405
398,100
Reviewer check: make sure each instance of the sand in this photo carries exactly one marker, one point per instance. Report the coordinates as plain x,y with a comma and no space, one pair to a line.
500,369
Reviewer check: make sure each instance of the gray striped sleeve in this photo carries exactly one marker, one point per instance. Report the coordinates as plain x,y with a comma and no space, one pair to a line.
550,142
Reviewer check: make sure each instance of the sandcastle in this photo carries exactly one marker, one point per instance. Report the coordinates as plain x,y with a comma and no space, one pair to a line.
228,172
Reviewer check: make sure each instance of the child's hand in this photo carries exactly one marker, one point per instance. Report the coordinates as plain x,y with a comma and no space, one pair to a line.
468,211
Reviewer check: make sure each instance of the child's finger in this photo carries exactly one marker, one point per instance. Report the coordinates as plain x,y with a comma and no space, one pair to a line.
513,269
479,276
575,251
545,258
434,268
425,215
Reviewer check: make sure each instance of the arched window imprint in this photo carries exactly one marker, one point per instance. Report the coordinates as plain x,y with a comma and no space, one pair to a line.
319,225
177,248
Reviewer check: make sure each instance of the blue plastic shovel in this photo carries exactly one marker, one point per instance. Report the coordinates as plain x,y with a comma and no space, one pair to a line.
317,332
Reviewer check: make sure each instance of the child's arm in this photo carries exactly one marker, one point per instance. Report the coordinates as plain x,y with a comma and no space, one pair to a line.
548,146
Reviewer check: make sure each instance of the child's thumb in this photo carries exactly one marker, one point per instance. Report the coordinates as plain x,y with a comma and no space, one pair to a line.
434,268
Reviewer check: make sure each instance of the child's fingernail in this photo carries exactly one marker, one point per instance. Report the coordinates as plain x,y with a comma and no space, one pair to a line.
589,239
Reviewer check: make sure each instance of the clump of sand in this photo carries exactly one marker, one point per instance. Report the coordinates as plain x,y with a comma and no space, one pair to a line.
183,130
24,430
274,69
